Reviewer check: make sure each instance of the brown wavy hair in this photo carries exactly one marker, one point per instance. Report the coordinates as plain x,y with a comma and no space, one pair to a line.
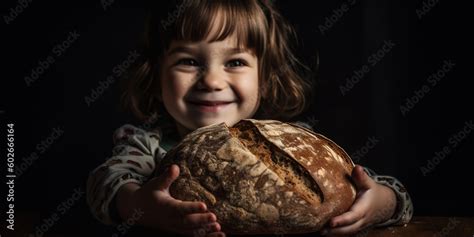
284,93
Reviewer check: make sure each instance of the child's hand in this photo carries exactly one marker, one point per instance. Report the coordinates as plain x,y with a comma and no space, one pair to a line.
374,203
162,211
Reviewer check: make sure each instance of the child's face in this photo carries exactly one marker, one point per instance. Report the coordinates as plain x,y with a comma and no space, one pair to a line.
204,83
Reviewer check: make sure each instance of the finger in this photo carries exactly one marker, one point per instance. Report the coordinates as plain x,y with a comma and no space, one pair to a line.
345,219
345,230
165,180
199,232
203,233
187,207
216,234
213,227
207,229
198,220
361,179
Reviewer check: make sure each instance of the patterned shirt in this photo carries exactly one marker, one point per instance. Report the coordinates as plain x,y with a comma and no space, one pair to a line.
136,154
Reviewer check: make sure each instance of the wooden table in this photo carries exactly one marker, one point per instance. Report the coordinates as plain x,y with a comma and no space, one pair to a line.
428,226
419,226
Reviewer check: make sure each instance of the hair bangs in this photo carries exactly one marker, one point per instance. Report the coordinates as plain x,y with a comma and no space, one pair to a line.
218,20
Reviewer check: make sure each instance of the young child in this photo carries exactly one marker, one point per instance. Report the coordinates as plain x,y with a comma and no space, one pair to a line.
209,62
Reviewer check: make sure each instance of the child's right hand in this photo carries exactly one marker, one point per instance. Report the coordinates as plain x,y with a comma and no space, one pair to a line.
161,210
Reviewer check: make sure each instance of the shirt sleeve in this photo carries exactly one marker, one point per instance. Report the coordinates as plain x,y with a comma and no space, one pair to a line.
135,154
404,210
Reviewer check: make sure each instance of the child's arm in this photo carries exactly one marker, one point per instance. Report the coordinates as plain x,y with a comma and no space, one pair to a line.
380,201
133,162
404,209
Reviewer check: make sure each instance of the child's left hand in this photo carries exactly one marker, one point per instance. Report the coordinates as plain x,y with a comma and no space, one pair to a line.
374,203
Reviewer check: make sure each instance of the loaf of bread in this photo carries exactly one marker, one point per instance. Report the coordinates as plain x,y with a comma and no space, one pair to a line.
263,176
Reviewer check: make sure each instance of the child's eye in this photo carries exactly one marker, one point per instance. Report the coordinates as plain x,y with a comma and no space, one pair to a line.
187,62
236,63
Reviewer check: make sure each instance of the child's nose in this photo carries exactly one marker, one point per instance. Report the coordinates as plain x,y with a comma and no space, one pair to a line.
211,80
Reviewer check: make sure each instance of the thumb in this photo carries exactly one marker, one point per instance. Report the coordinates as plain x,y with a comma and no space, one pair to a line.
164,181
361,179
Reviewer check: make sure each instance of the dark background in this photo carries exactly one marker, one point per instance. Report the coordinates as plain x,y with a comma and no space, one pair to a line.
370,109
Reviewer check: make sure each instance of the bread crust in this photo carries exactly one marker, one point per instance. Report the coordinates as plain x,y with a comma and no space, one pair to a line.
263,176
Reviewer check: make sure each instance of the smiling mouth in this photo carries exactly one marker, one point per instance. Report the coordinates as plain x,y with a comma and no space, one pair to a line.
210,106
210,103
